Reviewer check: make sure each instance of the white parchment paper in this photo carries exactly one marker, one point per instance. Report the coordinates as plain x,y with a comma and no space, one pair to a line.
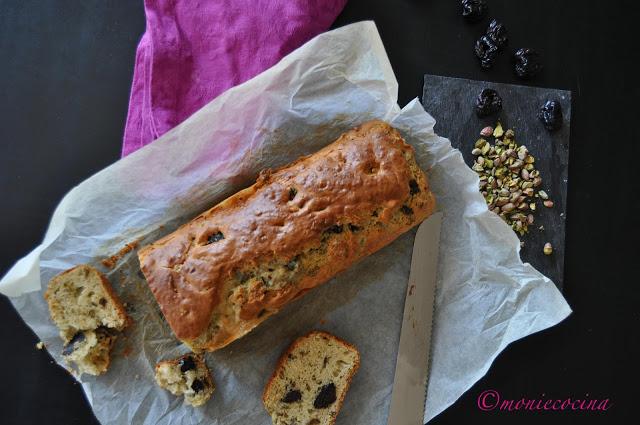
486,296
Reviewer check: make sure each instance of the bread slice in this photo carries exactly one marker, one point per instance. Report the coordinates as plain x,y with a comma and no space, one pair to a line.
187,375
311,380
89,350
88,314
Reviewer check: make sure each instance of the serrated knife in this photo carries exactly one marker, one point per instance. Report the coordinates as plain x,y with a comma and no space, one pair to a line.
412,364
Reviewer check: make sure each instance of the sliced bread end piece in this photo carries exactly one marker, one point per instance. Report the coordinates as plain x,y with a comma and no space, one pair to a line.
187,375
311,380
87,313
90,350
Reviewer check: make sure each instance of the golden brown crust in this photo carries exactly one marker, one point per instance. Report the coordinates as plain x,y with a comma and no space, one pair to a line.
284,213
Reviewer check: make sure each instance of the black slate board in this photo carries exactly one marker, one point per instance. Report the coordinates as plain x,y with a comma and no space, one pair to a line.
451,101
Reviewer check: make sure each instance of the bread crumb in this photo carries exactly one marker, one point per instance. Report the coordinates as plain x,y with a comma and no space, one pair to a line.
40,345
186,376
110,262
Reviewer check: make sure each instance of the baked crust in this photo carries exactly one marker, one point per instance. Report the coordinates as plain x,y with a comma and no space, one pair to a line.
220,275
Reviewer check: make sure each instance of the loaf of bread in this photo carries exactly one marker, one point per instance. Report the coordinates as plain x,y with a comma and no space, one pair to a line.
220,275
88,315
311,380
186,376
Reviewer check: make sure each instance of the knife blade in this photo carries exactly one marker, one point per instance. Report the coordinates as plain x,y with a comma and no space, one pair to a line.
412,363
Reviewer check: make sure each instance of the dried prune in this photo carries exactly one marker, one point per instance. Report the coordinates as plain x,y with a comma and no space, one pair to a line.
497,33
218,236
474,10
292,396
551,115
413,187
486,51
197,385
336,228
293,264
528,63
292,193
326,396
70,346
488,102
67,349
187,363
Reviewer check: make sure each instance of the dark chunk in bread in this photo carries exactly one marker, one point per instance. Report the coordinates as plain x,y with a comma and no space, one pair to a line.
88,314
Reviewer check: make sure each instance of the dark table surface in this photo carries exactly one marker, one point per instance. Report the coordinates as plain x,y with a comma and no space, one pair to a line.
65,74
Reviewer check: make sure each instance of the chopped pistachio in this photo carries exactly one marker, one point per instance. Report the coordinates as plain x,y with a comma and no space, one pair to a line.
498,131
503,200
508,178
487,131
522,154
508,207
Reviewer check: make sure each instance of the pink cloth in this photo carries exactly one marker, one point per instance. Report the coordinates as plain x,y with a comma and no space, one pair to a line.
194,50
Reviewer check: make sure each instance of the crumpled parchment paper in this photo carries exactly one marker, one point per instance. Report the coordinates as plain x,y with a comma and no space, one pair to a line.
486,296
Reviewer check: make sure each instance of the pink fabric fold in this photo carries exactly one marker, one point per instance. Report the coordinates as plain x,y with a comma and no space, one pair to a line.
194,50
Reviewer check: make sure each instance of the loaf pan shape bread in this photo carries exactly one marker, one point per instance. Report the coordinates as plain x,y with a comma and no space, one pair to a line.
220,275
